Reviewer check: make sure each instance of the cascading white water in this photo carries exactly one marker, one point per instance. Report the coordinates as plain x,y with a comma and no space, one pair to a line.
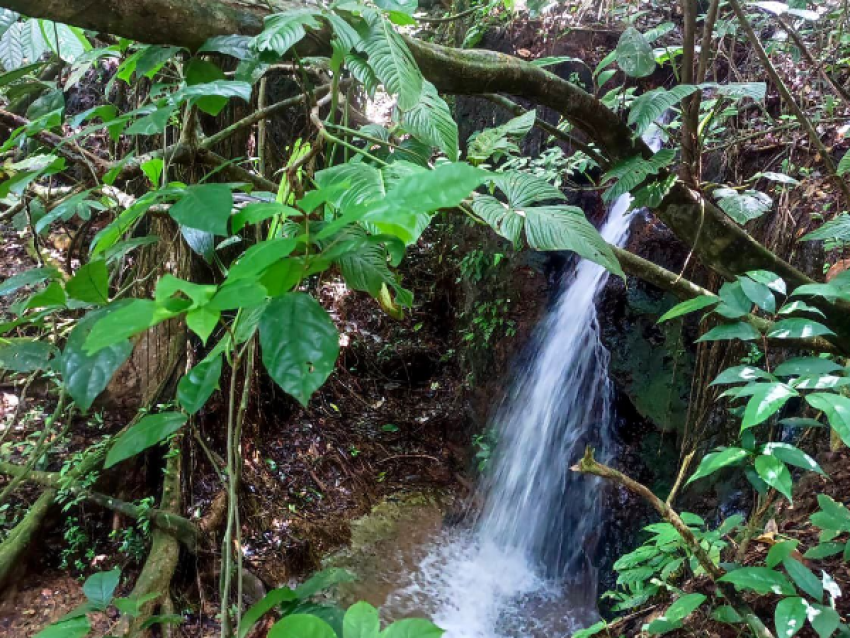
525,569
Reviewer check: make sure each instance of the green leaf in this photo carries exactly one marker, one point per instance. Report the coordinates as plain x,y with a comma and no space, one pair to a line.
71,628
100,587
501,140
760,580
552,227
798,328
200,71
259,257
759,294
204,207
259,609
790,616
412,628
149,431
90,283
122,320
24,355
87,375
258,212
804,578
779,552
633,171
301,626
793,456
242,293
684,607
634,54
833,515
12,47
650,106
743,207
741,374
300,344
824,620
361,621
282,31
392,62
715,461
729,331
774,472
688,306
825,550
27,278
202,321
726,614
766,400
197,385
806,365
237,46
837,410
431,121
842,169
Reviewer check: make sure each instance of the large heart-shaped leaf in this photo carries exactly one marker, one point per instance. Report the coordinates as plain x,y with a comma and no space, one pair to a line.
204,207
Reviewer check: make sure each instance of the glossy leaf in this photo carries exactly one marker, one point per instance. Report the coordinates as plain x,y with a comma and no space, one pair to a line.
837,410
301,626
100,587
766,400
432,122
90,283
149,431
793,456
412,628
392,62
715,461
361,621
806,365
204,207
259,609
688,306
798,328
729,331
87,375
790,616
198,385
804,578
760,580
300,344
774,472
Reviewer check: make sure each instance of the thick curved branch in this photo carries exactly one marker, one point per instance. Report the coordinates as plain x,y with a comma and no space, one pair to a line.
717,240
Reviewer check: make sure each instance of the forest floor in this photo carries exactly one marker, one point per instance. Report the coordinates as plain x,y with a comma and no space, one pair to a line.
391,421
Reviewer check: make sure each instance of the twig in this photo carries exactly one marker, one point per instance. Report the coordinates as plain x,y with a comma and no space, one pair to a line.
588,465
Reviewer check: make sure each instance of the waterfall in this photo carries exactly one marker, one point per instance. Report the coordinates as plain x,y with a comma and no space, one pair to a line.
526,567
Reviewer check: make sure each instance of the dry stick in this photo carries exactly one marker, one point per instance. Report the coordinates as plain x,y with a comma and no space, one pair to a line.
789,99
588,465
839,90
554,131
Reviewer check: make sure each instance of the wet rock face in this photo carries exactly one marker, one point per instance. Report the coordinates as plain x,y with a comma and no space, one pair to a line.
651,364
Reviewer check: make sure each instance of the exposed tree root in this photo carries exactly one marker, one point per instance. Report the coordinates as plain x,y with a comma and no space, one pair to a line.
158,570
14,548
589,465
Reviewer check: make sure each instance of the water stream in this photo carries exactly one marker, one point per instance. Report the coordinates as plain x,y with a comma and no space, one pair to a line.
525,568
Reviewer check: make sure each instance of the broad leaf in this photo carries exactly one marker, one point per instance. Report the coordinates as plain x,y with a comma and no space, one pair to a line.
197,385
804,578
87,375
793,456
798,328
832,515
27,278
300,344
806,365
301,626
634,54
632,172
431,121
824,620
392,62
259,609
361,621
650,106
90,283
412,628
24,355
149,431
760,580
100,587
741,374
837,410
743,207
759,294
790,616
715,461
501,140
204,207
282,31
766,400
774,472
729,331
